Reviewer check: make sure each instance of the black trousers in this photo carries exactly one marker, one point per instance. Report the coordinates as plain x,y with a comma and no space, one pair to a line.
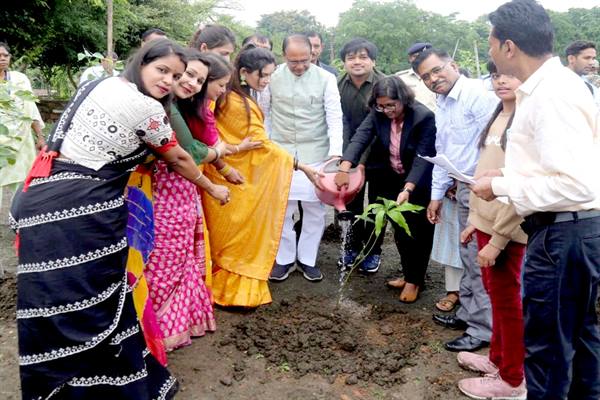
562,337
414,251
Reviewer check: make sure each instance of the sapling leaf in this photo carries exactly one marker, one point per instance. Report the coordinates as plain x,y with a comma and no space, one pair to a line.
398,218
409,207
379,222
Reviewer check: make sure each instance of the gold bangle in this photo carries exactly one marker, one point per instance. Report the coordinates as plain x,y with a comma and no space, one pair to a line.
198,178
237,148
225,171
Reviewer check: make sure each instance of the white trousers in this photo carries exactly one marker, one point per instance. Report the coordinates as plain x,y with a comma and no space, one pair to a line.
313,226
452,277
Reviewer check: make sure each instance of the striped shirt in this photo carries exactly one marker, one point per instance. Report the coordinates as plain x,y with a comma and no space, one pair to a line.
460,117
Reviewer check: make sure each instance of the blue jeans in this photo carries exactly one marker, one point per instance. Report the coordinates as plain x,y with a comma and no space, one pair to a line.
562,337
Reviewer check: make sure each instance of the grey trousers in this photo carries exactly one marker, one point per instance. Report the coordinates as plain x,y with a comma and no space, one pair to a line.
475,307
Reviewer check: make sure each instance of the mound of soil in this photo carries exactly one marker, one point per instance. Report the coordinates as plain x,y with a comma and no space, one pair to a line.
307,337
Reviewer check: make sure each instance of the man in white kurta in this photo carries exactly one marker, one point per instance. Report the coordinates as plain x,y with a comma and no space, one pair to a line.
306,118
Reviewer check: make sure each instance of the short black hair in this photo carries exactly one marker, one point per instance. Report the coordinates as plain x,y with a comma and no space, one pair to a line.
491,67
151,31
394,88
5,45
356,45
442,54
259,38
310,34
213,36
296,37
578,46
527,24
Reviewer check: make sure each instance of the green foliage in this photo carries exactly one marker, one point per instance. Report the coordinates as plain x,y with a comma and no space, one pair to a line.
379,214
11,115
280,24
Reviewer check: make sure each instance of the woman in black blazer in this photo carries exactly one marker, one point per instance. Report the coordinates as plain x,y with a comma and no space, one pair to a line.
400,129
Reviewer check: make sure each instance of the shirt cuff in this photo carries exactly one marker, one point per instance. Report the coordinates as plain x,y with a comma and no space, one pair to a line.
499,241
500,186
437,194
167,145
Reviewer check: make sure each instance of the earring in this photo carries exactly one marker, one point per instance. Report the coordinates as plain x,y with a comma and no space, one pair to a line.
243,80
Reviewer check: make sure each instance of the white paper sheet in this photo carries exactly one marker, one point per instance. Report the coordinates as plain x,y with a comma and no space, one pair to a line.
442,161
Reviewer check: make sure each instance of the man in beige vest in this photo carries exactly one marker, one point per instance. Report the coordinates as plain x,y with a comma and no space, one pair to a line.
414,81
306,120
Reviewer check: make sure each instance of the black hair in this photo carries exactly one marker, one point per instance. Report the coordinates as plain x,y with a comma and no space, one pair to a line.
5,45
145,55
357,44
259,38
252,59
394,88
578,46
492,69
441,54
219,67
486,130
297,38
194,106
310,34
151,31
527,24
464,72
213,36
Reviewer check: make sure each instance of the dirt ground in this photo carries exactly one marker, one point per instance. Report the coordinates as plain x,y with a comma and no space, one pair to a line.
312,342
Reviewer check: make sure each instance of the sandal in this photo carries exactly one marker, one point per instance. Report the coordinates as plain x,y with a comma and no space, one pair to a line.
397,283
410,293
448,302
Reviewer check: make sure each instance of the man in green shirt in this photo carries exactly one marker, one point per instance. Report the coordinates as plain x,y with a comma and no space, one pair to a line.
355,87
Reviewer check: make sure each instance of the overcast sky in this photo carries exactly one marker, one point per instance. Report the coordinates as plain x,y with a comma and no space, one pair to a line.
327,11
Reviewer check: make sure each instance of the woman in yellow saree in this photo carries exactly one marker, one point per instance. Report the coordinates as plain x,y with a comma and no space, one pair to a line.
244,234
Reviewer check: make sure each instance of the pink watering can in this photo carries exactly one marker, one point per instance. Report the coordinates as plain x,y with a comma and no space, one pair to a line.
339,198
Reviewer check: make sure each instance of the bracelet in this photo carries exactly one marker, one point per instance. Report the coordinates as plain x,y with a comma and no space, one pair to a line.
345,172
407,190
226,170
198,178
295,164
217,154
237,148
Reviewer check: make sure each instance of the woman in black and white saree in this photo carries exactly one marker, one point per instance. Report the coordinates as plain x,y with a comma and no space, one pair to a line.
79,337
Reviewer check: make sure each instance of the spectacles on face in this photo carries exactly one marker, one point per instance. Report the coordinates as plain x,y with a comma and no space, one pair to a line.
385,107
298,62
434,71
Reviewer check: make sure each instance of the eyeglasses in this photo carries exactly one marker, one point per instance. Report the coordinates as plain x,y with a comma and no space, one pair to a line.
386,107
434,71
298,62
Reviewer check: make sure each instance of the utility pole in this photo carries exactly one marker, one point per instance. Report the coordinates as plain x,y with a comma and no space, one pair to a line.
109,64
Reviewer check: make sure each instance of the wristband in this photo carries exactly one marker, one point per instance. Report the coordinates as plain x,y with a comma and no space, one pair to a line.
345,172
407,190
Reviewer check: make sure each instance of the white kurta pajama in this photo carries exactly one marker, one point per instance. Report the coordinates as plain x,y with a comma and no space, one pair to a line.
306,121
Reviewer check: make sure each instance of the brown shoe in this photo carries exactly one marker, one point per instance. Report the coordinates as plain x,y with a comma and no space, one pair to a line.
397,283
410,293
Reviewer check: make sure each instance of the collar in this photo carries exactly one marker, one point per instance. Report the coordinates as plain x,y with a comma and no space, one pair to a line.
347,79
548,69
457,88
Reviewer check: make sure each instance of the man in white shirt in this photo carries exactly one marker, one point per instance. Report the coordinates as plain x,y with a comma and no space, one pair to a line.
551,177
464,107
581,57
306,120
100,70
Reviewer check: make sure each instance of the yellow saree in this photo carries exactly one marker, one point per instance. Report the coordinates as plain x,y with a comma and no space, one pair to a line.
244,234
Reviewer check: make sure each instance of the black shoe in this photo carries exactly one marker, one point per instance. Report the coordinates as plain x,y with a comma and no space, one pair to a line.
466,343
450,321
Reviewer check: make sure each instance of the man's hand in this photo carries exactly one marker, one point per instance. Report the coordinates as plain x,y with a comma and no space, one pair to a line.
487,256
403,197
433,211
483,188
